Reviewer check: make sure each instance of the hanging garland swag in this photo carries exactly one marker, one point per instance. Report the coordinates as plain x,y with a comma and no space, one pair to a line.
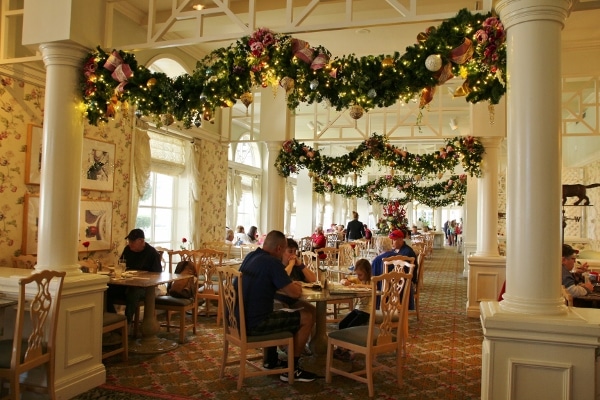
471,46
466,151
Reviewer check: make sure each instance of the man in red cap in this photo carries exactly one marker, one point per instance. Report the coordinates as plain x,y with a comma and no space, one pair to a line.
399,248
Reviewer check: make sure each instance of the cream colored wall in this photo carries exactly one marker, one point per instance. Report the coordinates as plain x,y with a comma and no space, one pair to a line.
22,103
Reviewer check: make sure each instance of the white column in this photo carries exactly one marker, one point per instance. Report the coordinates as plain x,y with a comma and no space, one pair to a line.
487,200
530,336
437,219
60,190
409,214
470,222
534,154
275,190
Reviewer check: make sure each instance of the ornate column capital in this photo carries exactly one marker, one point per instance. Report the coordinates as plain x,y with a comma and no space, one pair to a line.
513,12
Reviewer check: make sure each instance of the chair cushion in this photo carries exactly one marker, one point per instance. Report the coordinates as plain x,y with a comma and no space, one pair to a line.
270,336
172,301
356,335
112,318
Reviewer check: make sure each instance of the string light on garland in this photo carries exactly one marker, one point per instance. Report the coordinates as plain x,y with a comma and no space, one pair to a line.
469,45
467,151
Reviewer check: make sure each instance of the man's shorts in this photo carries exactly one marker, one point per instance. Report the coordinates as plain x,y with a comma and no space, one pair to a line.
277,321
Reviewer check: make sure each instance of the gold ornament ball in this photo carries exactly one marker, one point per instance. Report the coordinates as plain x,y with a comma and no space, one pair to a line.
387,62
392,164
356,111
247,98
151,82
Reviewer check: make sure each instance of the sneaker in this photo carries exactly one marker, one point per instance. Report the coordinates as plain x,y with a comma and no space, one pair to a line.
299,376
275,365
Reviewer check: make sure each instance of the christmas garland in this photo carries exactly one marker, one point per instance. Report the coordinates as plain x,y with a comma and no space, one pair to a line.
417,168
471,46
467,151
439,194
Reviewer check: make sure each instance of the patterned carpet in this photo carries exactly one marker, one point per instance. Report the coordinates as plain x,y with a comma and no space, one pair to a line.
443,362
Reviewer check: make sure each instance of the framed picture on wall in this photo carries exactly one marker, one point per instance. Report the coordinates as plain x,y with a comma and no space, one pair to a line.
98,165
95,222
33,156
31,217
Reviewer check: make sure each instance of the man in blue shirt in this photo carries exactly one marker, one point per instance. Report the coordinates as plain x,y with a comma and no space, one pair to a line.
399,248
263,275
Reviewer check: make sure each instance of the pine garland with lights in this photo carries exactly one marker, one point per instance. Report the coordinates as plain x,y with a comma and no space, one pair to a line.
469,45
467,151
437,194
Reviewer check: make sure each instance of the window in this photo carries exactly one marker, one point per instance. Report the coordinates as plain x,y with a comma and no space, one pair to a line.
245,178
163,211
155,212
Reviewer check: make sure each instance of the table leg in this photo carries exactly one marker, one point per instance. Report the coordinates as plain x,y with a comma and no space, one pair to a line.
319,341
150,343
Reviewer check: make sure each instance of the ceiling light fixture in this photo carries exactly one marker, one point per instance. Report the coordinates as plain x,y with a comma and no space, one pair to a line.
198,7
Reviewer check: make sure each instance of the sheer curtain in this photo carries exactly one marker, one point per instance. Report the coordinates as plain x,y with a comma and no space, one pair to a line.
142,160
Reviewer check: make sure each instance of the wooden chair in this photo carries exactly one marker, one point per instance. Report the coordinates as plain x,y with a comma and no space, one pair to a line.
346,255
567,296
419,284
220,246
247,248
179,305
26,261
332,239
207,261
305,244
375,338
398,264
162,251
309,259
39,295
112,322
234,332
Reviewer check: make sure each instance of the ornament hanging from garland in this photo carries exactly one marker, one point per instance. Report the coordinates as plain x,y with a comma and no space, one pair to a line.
476,52
433,62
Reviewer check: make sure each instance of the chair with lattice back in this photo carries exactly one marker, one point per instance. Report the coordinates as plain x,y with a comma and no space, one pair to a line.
207,261
39,296
181,305
305,244
376,337
234,332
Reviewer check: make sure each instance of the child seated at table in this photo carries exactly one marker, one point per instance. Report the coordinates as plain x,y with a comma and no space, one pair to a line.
360,315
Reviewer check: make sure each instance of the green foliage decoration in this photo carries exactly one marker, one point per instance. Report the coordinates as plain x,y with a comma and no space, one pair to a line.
307,74
418,169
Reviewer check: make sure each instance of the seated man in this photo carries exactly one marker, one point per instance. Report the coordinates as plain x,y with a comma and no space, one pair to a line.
399,248
297,271
572,278
264,275
138,255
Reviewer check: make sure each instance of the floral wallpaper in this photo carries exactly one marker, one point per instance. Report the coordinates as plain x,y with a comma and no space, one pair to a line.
21,103
213,193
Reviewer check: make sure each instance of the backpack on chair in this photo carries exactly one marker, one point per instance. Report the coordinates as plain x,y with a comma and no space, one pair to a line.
183,288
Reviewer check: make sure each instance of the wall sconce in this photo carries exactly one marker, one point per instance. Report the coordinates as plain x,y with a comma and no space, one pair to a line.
453,124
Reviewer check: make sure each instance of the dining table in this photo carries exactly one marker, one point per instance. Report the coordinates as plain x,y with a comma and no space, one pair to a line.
320,296
149,343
